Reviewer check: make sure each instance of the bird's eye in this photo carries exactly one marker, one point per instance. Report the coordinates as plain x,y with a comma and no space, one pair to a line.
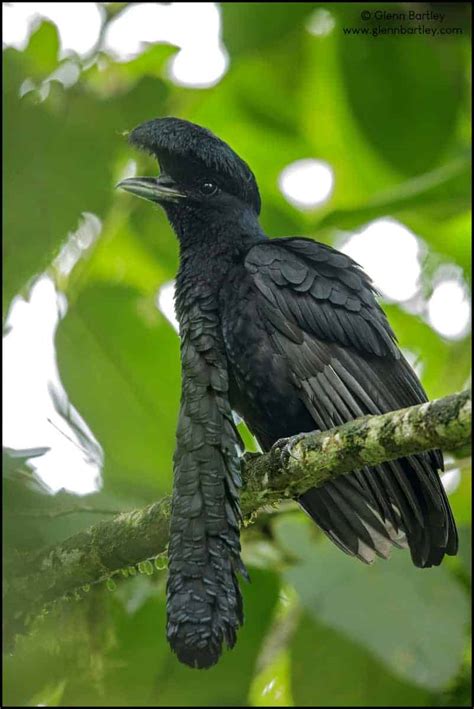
208,188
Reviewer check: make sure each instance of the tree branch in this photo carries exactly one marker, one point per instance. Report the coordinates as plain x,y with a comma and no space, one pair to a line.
93,555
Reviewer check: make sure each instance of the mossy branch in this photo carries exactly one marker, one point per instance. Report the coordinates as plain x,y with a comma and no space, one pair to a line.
129,538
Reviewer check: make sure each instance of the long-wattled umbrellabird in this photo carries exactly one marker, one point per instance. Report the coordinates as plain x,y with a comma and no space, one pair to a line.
287,333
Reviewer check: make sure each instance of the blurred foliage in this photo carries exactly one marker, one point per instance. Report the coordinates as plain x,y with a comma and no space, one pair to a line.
391,116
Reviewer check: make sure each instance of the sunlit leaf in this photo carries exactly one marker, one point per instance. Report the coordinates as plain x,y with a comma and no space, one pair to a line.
43,49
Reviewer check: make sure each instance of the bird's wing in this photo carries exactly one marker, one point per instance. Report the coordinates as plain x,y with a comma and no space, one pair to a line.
323,291
321,314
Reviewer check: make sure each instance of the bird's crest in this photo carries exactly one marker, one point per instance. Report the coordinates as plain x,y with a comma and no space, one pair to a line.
179,145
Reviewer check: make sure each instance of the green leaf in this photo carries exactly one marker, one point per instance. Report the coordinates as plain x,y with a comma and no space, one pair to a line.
127,386
107,75
446,187
396,85
250,26
450,238
445,364
460,501
43,49
59,162
328,123
465,549
330,670
127,257
412,620
56,167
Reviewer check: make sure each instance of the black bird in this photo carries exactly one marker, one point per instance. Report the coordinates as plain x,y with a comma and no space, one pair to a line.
287,333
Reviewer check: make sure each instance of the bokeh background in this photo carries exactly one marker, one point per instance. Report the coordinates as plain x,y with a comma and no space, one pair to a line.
359,141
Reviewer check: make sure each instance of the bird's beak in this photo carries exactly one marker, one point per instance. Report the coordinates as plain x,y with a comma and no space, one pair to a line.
154,189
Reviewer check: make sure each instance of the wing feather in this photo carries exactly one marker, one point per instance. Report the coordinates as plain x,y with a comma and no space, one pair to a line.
322,316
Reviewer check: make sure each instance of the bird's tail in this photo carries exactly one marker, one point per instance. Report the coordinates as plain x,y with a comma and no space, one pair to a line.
204,602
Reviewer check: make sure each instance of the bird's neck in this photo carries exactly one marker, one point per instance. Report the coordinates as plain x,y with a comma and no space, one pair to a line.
203,267
209,250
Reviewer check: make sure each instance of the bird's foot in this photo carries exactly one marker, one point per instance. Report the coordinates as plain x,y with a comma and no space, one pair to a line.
283,447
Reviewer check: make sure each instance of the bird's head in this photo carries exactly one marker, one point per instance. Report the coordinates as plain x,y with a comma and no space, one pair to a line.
201,178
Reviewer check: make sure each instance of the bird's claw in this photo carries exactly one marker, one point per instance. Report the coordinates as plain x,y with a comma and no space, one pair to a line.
284,447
